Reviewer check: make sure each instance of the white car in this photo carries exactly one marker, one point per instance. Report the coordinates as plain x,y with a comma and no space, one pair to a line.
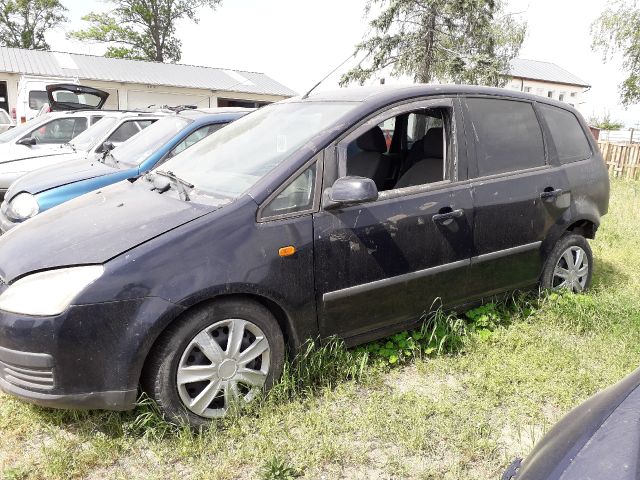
22,147
6,122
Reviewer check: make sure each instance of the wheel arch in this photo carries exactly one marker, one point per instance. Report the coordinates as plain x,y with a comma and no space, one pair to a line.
281,315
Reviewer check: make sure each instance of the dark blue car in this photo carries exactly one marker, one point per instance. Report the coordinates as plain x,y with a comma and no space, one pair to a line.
47,187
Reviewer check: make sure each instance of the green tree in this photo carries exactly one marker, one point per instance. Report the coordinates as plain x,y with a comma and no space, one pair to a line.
141,29
616,31
462,41
23,23
605,122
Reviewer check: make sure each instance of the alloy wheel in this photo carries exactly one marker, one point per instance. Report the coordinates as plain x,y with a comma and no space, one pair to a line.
225,363
571,270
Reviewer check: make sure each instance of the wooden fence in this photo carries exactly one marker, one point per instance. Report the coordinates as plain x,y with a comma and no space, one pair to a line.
623,160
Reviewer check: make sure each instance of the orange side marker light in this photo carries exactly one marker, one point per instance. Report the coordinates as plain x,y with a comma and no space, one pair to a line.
287,251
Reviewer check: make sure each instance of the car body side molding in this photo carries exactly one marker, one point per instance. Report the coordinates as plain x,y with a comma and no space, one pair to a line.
386,282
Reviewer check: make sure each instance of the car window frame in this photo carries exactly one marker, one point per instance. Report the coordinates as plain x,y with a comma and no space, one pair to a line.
75,118
471,144
318,159
335,157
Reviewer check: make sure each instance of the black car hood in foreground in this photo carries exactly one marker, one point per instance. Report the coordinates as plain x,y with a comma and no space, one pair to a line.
598,440
93,228
57,175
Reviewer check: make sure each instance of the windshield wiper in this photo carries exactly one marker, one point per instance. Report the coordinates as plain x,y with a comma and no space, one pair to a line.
179,182
69,144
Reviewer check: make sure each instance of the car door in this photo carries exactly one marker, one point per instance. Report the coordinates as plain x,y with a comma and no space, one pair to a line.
382,264
518,193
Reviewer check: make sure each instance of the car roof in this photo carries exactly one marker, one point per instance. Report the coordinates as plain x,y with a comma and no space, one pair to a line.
387,94
216,115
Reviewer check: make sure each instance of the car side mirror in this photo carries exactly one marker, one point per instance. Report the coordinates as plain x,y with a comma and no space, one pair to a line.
350,191
27,141
107,146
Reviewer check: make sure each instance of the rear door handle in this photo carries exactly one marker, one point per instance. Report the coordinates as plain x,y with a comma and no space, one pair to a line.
549,193
444,217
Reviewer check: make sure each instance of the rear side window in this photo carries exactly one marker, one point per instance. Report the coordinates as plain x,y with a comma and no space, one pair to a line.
508,135
37,98
567,134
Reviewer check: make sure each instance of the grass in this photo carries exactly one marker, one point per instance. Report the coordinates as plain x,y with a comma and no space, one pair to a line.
456,399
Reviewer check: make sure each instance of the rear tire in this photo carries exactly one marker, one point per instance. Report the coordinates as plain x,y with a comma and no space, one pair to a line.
214,356
569,265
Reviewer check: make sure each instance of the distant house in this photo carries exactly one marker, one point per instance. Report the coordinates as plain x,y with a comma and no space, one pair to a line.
547,80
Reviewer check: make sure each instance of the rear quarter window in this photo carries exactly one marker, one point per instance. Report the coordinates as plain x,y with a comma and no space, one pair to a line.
567,134
508,135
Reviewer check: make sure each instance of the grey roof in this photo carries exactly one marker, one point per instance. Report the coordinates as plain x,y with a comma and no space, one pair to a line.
546,71
91,67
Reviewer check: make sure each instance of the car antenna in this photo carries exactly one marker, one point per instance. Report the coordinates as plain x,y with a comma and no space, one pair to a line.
332,72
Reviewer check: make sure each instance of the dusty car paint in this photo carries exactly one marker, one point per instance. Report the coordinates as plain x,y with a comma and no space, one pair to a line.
360,271
598,439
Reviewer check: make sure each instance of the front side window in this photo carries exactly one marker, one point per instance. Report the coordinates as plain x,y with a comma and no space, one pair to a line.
91,136
60,130
233,159
403,151
296,197
567,134
124,132
195,137
508,135
137,149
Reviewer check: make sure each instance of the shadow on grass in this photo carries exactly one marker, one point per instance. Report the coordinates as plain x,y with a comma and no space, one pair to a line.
606,273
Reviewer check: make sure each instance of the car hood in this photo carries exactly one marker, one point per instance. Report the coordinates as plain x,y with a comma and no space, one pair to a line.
93,229
10,152
598,439
57,175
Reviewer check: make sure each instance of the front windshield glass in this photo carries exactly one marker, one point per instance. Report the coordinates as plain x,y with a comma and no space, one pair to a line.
233,159
88,139
20,130
138,148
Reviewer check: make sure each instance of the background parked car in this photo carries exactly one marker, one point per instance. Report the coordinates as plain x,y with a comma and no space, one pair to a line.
47,187
6,122
77,107
599,440
113,127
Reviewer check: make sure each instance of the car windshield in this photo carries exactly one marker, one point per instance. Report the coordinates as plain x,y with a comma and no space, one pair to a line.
88,139
233,159
138,148
20,130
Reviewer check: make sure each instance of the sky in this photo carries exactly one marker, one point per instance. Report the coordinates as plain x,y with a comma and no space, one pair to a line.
297,42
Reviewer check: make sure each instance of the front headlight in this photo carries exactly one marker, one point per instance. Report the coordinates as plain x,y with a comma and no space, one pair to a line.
49,292
23,206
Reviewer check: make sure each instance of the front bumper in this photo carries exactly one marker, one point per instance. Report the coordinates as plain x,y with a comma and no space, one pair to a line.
91,356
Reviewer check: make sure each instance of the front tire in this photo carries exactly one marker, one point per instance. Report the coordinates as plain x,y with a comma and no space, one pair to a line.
569,265
214,356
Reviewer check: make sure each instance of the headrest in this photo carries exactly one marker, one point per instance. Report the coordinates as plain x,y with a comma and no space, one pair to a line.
372,141
433,143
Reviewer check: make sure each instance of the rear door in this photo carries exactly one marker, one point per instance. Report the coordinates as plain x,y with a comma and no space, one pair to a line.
518,193
68,96
381,265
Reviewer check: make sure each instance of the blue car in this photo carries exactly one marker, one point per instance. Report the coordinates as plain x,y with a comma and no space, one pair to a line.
47,187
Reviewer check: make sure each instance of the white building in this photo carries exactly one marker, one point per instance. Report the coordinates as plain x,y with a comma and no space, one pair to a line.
547,80
138,84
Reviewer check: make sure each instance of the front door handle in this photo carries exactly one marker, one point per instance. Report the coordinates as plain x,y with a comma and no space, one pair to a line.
446,217
550,193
